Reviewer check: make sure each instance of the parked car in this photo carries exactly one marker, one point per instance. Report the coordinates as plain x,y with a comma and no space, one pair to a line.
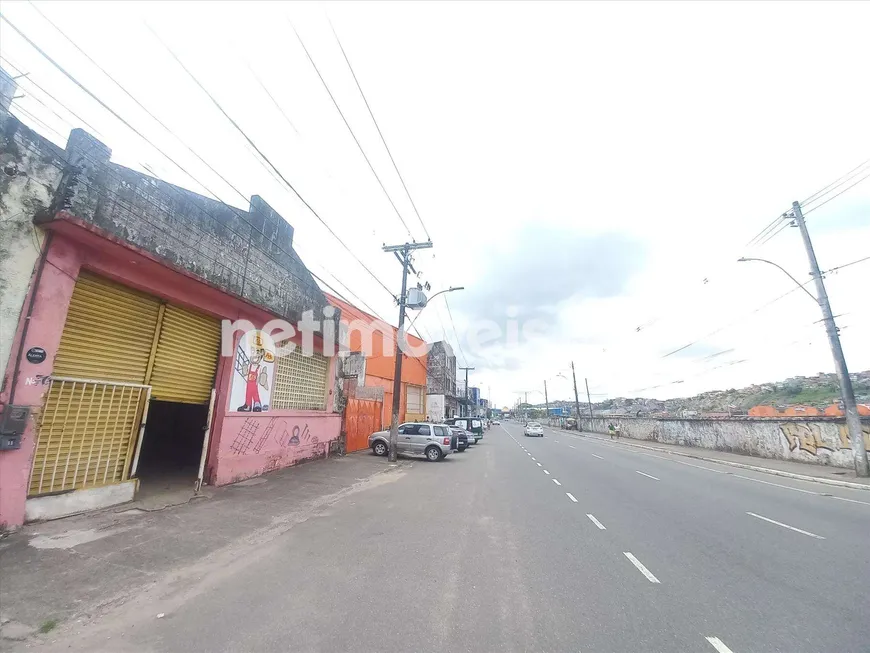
435,441
471,424
462,438
496,422
533,430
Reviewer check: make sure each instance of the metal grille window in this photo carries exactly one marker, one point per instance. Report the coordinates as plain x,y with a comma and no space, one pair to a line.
300,381
415,399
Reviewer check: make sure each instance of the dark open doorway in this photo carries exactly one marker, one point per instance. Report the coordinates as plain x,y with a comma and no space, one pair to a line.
171,447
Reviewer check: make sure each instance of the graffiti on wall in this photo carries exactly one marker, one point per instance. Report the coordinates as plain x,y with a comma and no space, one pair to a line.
256,432
805,437
809,437
845,443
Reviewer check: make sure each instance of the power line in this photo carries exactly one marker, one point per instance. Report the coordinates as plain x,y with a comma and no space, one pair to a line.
763,306
821,191
383,140
271,165
845,265
93,96
818,206
773,235
84,122
453,324
761,234
138,103
347,124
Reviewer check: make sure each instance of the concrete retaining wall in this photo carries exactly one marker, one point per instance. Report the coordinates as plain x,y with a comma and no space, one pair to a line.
818,441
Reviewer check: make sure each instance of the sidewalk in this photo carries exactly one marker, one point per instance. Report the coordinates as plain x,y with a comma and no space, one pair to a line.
78,567
824,474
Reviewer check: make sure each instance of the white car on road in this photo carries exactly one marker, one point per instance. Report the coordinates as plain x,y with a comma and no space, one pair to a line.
533,429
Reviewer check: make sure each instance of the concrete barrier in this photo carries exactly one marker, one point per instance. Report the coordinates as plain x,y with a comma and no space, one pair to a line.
820,441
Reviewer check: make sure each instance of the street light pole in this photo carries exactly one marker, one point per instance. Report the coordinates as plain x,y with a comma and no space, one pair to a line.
589,399
853,421
576,398
466,392
546,402
405,260
847,392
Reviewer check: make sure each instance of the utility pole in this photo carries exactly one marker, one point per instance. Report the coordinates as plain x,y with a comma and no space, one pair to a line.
853,421
546,402
589,399
466,391
526,408
403,253
576,398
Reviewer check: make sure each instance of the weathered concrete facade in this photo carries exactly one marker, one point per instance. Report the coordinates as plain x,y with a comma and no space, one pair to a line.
69,216
30,171
246,253
819,441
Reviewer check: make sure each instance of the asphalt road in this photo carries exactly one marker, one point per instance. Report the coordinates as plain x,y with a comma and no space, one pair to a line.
563,543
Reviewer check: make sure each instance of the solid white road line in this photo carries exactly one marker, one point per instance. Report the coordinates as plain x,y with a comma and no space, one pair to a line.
791,528
718,645
637,563
647,475
538,464
556,482
597,456
546,472
596,522
571,496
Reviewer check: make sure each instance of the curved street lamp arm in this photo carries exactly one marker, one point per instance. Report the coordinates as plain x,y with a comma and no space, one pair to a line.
440,292
786,272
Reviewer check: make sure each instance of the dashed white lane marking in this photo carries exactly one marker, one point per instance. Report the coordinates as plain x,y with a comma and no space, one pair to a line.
533,458
596,522
787,487
719,645
538,464
556,482
572,446
647,475
556,441
637,563
546,472
571,496
791,528
597,456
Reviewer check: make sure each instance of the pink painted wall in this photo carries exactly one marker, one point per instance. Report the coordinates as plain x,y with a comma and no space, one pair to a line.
46,325
255,443
75,247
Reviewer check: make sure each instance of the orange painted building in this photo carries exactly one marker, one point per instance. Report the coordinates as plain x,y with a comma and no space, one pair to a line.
380,365
836,410
790,411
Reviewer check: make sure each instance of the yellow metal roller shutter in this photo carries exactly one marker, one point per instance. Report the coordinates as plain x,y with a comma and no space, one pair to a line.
108,332
92,408
187,353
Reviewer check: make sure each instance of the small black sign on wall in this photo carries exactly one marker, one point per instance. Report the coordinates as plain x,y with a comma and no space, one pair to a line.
35,355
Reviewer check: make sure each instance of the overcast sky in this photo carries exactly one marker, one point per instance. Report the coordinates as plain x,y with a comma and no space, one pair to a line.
596,167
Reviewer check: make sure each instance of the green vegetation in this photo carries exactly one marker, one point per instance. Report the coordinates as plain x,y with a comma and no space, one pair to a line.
795,394
47,626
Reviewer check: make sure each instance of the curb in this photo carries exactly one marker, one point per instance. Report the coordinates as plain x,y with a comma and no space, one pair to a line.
755,468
